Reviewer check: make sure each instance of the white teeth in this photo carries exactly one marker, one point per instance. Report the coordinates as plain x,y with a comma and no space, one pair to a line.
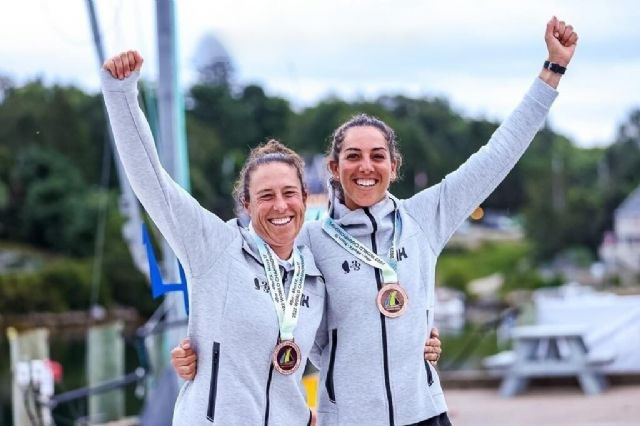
280,221
365,182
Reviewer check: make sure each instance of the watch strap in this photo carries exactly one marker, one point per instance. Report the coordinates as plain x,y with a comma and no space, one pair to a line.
553,67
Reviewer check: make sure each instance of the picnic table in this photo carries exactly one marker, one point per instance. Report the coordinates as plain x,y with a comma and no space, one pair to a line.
549,351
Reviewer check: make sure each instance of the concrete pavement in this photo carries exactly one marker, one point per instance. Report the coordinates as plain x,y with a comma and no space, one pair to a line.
545,406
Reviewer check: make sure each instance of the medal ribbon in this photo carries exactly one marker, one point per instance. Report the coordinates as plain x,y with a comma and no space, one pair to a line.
287,310
349,243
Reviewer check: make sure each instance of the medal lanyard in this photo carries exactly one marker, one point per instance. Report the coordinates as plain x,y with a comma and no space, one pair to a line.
287,310
362,252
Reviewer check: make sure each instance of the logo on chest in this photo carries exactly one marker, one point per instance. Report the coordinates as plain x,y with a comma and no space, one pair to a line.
401,253
355,265
261,285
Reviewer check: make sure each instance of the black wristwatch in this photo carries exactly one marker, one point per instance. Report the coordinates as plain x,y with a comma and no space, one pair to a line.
553,67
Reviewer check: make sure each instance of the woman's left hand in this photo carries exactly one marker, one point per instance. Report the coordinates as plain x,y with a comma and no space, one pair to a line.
561,40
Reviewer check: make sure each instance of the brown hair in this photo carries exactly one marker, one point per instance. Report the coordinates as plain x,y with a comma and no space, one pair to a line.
268,152
361,120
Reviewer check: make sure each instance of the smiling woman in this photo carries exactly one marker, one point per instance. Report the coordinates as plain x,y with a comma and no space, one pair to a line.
272,191
387,304
367,152
256,299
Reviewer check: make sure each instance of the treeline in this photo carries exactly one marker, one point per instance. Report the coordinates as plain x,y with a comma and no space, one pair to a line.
53,181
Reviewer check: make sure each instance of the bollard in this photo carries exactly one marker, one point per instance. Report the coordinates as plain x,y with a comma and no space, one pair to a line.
105,361
32,380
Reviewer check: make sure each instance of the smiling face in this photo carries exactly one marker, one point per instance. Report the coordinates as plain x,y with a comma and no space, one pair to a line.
276,205
364,167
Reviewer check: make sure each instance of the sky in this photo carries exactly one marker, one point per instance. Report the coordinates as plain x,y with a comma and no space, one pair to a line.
480,55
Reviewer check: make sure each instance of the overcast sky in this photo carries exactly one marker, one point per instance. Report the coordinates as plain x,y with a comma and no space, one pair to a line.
481,55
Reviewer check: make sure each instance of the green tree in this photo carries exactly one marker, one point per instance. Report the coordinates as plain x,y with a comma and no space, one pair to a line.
48,205
62,119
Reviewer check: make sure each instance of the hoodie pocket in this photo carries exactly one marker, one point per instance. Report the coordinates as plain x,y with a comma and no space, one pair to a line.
427,365
332,359
213,387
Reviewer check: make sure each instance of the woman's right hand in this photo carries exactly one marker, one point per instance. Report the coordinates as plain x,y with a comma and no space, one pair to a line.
122,65
433,347
184,360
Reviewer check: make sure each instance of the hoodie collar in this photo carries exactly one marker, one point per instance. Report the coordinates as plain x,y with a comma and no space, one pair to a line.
357,222
250,247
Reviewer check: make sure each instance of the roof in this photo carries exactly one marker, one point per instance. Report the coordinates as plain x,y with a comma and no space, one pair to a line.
631,205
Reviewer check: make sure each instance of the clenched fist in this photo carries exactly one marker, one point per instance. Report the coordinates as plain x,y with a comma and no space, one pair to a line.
122,65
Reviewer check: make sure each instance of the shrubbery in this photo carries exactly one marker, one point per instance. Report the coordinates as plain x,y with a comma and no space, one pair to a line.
457,267
64,284
59,286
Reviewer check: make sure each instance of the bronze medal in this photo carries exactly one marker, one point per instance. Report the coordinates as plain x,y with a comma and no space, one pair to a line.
286,357
392,300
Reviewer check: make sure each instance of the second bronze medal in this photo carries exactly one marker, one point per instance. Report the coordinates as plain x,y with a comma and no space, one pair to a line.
392,300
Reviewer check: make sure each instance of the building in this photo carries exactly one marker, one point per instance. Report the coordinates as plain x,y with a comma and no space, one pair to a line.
620,248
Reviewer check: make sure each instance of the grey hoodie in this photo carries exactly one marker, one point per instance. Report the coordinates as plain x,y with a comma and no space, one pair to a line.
372,367
233,324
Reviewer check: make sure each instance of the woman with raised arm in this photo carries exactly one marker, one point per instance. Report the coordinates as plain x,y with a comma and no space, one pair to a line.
372,369
256,299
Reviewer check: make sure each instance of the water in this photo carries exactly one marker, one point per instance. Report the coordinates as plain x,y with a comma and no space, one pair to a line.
70,351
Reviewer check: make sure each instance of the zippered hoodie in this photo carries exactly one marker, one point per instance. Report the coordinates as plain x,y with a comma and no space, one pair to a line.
233,325
372,368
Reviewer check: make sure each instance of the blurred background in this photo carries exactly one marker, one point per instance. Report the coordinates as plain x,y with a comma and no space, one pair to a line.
557,244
